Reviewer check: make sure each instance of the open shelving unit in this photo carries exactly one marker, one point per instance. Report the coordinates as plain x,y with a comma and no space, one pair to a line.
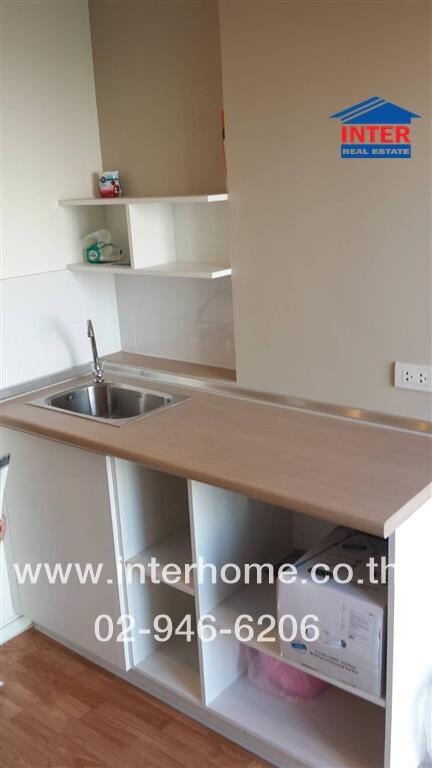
180,521
322,731
153,517
180,236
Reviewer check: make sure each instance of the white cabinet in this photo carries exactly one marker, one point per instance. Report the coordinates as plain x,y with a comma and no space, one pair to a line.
59,512
67,505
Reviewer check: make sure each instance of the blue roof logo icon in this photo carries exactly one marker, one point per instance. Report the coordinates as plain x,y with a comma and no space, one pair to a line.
377,111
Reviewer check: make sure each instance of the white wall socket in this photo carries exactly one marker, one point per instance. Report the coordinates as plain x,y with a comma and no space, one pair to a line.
412,376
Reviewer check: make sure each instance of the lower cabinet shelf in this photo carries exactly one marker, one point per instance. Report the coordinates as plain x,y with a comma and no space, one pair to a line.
175,665
333,729
173,549
261,599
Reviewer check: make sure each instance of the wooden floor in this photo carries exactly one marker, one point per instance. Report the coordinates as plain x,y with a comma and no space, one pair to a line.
58,710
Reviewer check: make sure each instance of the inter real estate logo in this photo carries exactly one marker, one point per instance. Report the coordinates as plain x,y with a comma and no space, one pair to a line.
376,129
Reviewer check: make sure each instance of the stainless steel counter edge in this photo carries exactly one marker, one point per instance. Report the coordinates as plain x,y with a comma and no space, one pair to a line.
229,389
232,389
49,380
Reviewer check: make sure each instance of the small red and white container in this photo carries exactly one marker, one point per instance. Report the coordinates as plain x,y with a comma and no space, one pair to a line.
109,184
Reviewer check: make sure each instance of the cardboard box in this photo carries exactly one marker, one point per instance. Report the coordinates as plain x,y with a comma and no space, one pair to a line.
351,617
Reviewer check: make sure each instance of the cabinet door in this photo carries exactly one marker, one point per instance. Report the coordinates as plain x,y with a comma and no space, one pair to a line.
59,512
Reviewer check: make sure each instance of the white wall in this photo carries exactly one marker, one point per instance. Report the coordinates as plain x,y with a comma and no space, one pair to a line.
43,323
180,318
50,149
50,138
331,257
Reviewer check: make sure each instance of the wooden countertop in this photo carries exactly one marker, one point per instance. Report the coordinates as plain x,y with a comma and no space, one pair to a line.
367,477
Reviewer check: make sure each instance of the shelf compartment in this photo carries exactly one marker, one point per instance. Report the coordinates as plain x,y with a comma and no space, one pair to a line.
175,665
218,198
175,548
319,731
152,506
259,599
190,269
159,239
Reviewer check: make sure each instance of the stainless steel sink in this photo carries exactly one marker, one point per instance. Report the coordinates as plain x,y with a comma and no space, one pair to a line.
109,402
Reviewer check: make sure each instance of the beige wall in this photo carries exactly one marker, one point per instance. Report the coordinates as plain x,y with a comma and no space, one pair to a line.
158,86
332,273
50,140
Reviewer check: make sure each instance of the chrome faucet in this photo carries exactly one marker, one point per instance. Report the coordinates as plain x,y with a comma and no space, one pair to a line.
96,366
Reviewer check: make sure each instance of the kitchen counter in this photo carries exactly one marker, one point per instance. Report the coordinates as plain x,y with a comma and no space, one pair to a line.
365,476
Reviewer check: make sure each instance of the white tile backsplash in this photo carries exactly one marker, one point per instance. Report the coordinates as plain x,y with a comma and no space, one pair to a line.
211,343
43,321
181,318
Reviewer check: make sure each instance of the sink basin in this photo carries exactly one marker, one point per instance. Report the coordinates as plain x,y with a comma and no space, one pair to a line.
109,402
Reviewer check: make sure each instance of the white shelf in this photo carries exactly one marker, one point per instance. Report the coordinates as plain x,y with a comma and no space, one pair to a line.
143,200
175,665
188,269
332,729
112,269
191,269
257,600
175,548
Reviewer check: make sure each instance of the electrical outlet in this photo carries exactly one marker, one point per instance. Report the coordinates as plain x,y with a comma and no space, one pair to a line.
412,376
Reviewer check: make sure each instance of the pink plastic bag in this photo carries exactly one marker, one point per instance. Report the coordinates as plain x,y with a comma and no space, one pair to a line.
278,677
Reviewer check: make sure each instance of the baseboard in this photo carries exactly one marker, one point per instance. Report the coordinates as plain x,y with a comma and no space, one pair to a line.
14,628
